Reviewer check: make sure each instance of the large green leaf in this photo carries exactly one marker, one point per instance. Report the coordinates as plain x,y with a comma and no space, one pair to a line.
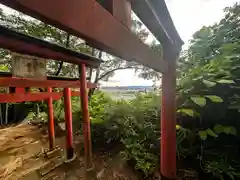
211,133
188,112
233,130
209,83
3,67
201,101
230,130
202,135
218,128
226,81
215,98
227,130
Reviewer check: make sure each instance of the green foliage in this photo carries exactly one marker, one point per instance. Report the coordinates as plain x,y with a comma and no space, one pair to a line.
188,112
4,68
134,124
203,135
42,116
98,105
209,87
214,98
222,169
201,101
182,135
225,81
218,129
208,83
208,132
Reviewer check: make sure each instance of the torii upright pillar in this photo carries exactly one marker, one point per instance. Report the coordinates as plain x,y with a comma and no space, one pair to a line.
168,117
51,130
86,119
68,122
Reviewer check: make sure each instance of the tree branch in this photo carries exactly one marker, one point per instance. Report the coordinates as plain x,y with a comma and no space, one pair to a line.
61,63
116,69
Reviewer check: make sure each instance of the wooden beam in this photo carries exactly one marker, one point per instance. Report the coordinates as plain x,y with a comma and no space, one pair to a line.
90,21
145,13
154,14
27,82
8,74
161,11
20,43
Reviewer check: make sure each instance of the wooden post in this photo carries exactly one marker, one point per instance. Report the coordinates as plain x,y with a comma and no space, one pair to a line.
168,119
51,130
68,122
86,120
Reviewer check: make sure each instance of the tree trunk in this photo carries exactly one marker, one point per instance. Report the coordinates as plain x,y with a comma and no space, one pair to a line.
61,63
91,69
37,111
91,91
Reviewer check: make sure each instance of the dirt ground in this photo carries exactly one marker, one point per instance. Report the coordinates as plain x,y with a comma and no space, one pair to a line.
23,157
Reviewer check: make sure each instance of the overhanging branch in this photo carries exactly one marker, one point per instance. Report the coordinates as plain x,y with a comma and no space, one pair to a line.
116,69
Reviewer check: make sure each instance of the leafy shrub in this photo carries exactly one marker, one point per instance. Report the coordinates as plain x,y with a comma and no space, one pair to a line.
42,116
135,125
222,169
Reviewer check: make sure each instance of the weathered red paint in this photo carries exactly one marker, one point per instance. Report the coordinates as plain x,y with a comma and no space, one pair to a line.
68,122
168,122
86,120
19,90
28,82
51,128
90,21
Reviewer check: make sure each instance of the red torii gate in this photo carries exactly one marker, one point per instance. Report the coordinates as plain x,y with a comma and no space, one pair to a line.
20,95
108,28
20,43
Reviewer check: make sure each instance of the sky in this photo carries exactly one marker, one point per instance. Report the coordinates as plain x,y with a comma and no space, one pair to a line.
188,17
